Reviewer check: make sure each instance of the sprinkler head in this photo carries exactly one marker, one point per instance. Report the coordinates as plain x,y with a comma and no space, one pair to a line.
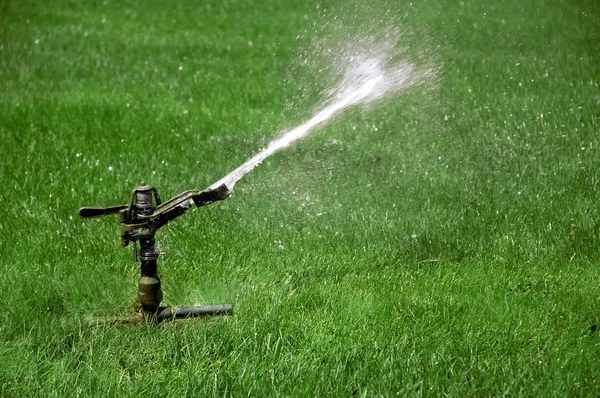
146,213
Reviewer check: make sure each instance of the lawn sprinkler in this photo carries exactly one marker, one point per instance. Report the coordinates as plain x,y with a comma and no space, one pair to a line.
140,219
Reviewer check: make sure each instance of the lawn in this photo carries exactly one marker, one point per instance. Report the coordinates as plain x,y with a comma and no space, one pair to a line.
443,241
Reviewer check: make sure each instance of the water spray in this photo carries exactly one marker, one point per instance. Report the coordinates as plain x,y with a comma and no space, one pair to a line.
140,219
366,80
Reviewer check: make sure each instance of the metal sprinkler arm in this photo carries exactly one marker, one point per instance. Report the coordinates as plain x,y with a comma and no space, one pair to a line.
91,212
199,198
134,225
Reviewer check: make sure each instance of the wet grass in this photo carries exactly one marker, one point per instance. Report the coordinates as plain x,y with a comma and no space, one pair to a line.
444,242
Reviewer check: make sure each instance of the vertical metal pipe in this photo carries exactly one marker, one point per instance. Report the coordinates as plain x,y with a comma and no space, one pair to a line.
149,290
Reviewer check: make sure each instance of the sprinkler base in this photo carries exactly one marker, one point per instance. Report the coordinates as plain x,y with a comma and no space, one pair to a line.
171,313
164,314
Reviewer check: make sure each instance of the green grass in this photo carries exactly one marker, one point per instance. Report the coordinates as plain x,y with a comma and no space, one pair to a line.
454,250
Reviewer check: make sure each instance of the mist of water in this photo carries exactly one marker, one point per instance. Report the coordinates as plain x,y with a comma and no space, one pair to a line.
366,79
